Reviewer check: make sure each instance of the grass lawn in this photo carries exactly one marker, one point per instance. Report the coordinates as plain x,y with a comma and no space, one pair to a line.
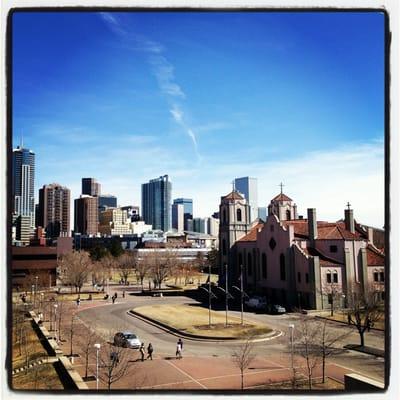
342,317
193,319
83,296
41,376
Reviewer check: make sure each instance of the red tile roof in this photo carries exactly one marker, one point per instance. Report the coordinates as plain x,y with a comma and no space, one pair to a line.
326,230
323,258
282,197
374,256
233,196
252,235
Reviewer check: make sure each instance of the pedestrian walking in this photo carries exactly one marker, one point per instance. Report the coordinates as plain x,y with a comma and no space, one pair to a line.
115,295
178,353
368,324
113,299
150,351
141,349
123,294
78,301
181,343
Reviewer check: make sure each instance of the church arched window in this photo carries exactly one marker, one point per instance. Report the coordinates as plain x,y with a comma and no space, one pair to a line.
239,214
249,265
282,267
264,265
223,247
288,215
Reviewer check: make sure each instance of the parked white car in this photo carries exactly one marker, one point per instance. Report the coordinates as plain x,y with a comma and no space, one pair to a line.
256,302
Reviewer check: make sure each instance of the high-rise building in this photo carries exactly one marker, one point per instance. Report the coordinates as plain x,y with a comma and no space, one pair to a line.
248,187
114,221
187,211
133,212
262,213
106,201
156,203
178,217
86,215
213,226
200,225
91,187
23,184
54,210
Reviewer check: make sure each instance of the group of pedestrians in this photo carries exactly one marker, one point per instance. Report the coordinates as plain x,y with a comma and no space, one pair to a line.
150,350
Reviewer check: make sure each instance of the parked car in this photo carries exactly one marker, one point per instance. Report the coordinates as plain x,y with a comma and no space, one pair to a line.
127,339
256,302
276,309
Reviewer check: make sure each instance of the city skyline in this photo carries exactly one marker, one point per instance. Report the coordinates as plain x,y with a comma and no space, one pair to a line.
284,107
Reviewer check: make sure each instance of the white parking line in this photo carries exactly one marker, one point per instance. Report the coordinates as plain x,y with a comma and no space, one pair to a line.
184,373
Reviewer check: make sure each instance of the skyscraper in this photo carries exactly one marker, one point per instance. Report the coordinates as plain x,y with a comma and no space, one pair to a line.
156,203
107,200
91,187
187,211
178,217
248,187
86,215
23,182
54,210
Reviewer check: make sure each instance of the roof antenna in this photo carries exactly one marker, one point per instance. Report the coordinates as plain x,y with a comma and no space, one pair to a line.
22,141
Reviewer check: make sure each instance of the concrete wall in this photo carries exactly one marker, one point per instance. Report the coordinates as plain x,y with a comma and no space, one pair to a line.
359,383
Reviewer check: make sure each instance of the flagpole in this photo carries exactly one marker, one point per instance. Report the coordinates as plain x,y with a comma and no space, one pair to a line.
226,295
209,295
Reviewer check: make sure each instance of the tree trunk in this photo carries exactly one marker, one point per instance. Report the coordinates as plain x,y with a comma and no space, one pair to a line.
323,366
361,337
242,385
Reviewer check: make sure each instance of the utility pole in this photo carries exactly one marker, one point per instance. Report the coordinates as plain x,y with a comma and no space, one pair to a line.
226,295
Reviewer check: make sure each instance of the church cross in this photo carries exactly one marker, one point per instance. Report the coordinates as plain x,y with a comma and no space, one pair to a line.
281,185
233,186
348,205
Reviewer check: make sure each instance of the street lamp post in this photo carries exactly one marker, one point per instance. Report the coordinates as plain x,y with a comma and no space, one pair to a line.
97,347
32,294
36,288
55,321
291,327
51,318
209,295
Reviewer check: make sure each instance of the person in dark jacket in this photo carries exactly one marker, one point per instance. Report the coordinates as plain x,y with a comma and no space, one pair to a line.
141,349
150,351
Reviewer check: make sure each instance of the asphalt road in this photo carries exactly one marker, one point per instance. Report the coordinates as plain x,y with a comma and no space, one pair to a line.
110,318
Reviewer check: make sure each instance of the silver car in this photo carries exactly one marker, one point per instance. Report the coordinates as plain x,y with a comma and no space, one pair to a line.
127,339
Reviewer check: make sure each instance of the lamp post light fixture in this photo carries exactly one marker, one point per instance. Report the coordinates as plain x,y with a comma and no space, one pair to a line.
291,328
41,301
97,347
36,288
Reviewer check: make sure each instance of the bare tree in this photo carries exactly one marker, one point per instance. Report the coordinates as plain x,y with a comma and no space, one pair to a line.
109,263
364,309
87,339
126,263
243,356
71,333
114,363
306,344
328,339
142,267
60,315
75,268
99,273
334,292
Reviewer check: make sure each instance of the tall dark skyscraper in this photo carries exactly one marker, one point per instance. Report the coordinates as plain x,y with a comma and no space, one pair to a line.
54,210
187,210
23,184
91,187
156,203
86,215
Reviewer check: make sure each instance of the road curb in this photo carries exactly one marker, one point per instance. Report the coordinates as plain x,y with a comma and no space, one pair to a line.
176,332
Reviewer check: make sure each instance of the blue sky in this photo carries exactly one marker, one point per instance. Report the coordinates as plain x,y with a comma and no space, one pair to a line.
206,97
